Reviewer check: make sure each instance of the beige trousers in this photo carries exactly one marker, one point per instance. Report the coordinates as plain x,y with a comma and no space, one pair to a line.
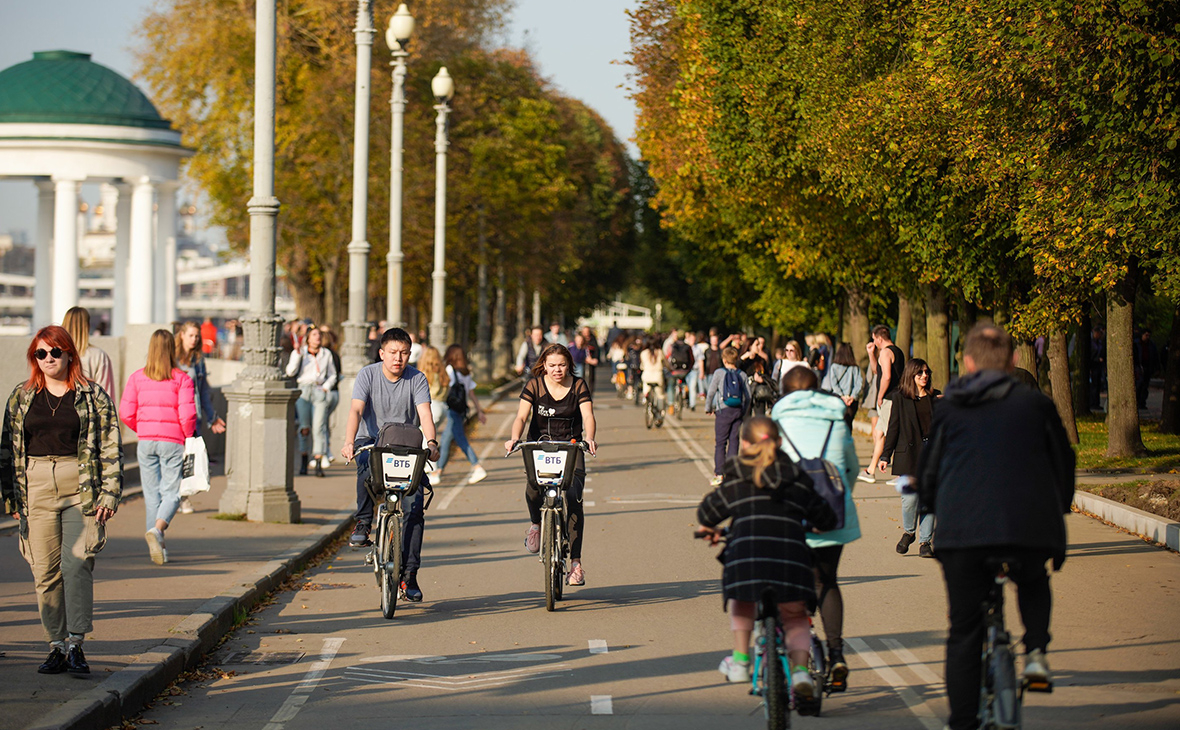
60,547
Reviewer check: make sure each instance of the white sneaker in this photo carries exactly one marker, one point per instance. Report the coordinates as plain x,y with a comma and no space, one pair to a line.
802,685
436,477
864,476
186,506
892,482
715,481
326,461
734,671
478,475
1036,666
155,543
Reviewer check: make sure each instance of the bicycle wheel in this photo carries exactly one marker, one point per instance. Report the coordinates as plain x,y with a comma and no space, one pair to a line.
1005,694
649,413
391,564
816,667
681,400
548,559
774,680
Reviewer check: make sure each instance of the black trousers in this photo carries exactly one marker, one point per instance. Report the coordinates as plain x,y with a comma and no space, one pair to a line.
968,581
575,512
413,518
826,561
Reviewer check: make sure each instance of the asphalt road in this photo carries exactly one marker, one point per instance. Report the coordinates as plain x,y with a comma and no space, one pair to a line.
638,646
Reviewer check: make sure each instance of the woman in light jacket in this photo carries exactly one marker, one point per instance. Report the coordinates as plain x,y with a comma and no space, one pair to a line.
807,417
159,405
96,364
61,474
844,379
315,373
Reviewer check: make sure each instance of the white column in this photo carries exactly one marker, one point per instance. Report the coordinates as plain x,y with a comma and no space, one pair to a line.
141,263
43,257
438,325
166,252
119,294
65,248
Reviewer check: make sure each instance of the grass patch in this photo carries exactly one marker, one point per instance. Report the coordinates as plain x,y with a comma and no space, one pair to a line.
1163,449
233,517
1158,496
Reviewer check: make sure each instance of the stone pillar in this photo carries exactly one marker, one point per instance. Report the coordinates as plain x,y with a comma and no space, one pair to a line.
141,264
261,402
65,248
356,329
166,252
119,295
43,257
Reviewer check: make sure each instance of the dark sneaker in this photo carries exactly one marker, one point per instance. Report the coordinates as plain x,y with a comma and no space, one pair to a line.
360,536
903,545
303,465
839,667
410,588
55,663
925,550
319,467
76,661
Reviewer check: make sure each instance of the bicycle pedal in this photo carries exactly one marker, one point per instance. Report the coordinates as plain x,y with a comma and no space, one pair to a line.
1045,686
368,558
837,687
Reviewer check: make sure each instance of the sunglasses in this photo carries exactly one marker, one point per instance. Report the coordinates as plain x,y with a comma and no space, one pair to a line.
42,353
923,372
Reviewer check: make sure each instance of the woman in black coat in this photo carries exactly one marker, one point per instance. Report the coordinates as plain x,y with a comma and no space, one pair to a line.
909,428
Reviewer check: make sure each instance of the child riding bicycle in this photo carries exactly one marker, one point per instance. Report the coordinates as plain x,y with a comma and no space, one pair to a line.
768,498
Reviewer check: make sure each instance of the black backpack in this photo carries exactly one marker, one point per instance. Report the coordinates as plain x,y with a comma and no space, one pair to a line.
681,356
826,478
457,398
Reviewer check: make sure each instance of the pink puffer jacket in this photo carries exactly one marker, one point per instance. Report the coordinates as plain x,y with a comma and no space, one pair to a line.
159,410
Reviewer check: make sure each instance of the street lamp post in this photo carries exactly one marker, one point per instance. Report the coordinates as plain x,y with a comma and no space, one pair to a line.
397,36
261,402
356,328
443,87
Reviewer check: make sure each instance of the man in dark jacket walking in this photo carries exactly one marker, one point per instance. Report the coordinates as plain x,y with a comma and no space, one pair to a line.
998,474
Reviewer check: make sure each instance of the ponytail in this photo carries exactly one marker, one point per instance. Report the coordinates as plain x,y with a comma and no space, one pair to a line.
761,435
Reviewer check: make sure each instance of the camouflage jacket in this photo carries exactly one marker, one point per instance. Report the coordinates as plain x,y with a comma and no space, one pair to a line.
100,449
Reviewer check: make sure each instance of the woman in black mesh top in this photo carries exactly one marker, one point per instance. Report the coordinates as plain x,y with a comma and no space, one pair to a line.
562,410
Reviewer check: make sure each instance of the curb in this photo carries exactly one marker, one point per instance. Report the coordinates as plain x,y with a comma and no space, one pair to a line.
1151,527
125,692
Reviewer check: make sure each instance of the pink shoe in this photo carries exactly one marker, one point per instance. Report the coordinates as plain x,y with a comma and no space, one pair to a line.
576,576
532,539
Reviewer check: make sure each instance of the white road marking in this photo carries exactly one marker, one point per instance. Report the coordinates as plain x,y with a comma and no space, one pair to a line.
907,657
601,705
450,683
598,646
691,448
917,706
587,504
587,490
497,441
302,691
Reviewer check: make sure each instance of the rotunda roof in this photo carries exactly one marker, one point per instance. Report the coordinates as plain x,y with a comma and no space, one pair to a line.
65,87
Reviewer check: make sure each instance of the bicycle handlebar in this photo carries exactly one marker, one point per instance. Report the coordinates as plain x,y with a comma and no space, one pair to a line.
585,447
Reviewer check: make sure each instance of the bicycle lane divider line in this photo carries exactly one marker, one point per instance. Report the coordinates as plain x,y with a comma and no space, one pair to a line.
295,701
686,443
916,704
497,440
598,646
905,656
601,705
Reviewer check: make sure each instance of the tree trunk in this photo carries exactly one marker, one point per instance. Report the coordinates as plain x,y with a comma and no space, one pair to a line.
938,346
1170,419
918,317
1059,376
905,324
1081,359
968,316
482,356
522,315
1026,357
332,298
858,324
501,343
1122,412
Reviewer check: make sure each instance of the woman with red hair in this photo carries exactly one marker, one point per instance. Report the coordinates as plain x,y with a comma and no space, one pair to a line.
61,475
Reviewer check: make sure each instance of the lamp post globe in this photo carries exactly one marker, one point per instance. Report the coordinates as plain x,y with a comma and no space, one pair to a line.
443,86
397,37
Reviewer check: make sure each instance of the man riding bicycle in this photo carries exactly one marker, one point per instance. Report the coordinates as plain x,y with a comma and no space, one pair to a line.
680,362
390,391
998,473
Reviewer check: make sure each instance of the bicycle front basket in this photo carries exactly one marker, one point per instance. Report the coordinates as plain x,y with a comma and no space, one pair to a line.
551,464
398,467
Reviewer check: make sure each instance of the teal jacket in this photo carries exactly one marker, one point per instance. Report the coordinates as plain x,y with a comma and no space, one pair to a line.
805,416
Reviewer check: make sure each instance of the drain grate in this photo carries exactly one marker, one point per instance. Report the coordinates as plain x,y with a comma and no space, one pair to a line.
262,657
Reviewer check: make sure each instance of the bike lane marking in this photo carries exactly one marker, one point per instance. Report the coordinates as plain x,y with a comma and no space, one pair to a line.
914,663
686,443
295,701
597,646
601,705
497,440
915,703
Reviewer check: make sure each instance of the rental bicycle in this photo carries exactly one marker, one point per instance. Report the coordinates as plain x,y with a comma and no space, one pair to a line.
679,392
549,466
1001,690
395,476
653,413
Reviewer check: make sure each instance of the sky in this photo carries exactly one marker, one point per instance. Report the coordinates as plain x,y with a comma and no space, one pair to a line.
578,45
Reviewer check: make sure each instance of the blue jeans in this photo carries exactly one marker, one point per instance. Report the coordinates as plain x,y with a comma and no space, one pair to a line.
693,383
310,411
160,464
455,431
331,400
413,519
909,516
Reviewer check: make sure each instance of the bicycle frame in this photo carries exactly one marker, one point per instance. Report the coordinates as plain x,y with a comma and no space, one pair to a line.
1001,694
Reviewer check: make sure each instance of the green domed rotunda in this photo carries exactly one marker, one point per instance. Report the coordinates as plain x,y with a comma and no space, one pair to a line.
64,121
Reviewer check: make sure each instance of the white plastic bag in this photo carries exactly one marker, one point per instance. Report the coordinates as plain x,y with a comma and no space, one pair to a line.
195,470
